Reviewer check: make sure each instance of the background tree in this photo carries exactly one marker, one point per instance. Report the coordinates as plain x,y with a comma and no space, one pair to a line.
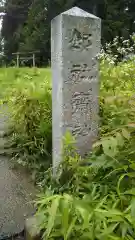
16,12
26,25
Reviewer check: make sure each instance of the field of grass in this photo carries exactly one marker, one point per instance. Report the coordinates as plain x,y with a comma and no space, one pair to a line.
28,95
10,77
93,201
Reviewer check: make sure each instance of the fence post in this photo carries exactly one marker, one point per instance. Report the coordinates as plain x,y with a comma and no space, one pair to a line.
34,60
18,60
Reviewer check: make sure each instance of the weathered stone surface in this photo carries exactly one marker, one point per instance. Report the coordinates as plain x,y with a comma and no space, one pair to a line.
2,134
75,45
32,229
15,200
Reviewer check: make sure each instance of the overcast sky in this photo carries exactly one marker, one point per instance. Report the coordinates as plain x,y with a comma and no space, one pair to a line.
1,14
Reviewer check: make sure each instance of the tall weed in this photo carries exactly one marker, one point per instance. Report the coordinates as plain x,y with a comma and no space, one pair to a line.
93,198
28,95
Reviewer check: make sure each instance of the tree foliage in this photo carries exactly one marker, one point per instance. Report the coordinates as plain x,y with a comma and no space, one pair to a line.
26,25
15,16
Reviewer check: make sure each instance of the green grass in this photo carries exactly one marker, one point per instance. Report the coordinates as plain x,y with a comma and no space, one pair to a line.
94,201
28,95
12,77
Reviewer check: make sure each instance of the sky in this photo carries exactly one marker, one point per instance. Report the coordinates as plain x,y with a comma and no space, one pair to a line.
1,14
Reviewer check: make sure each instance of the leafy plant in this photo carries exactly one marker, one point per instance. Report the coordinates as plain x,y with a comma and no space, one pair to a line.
93,198
28,96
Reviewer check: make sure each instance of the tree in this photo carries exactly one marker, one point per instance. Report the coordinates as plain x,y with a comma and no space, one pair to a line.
16,12
36,32
30,21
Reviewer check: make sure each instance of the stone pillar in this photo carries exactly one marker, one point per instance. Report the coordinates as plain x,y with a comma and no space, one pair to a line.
75,43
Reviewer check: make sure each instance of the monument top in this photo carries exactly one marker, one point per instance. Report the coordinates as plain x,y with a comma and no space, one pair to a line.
78,12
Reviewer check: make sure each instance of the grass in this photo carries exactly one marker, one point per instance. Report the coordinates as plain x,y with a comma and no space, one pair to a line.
93,201
96,201
10,77
28,95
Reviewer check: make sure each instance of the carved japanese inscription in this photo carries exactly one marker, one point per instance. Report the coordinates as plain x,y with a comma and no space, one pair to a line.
82,73
81,113
80,41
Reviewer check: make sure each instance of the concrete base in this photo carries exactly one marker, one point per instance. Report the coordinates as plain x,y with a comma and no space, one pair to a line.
31,229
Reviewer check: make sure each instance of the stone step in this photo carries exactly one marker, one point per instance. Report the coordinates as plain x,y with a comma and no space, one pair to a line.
2,133
31,229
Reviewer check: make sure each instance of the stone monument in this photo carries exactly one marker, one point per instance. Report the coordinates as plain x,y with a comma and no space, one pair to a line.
75,44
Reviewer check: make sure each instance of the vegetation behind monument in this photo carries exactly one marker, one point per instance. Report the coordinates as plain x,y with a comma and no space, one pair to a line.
30,28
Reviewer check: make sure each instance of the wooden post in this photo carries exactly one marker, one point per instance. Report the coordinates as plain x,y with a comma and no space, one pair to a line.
18,60
34,60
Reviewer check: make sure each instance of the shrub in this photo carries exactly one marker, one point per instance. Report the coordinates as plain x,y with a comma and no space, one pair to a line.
29,100
95,199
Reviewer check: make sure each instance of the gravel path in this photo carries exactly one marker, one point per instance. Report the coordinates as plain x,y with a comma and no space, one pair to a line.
16,191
